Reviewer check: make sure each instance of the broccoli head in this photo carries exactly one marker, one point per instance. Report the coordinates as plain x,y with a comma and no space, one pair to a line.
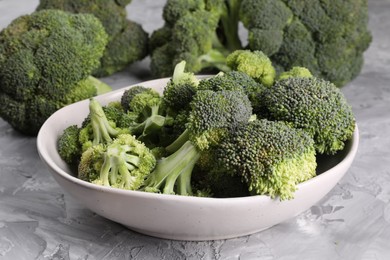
46,60
253,63
211,115
189,34
312,104
124,163
127,40
181,88
269,156
327,37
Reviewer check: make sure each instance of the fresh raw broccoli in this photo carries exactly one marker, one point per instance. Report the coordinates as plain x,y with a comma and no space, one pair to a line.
147,109
181,88
312,104
101,126
128,41
129,94
254,63
269,156
212,113
327,37
295,72
97,128
69,146
124,163
190,34
46,60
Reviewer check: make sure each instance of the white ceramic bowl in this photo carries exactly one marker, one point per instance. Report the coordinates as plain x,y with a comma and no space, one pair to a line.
183,217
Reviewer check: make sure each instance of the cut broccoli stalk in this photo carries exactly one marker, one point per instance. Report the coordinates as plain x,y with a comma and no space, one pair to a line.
230,21
100,86
174,170
102,130
117,166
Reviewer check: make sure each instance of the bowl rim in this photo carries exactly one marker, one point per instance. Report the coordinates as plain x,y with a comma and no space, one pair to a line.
45,156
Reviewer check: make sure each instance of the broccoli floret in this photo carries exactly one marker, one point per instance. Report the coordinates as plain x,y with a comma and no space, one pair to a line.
129,94
97,128
295,72
127,42
212,113
269,156
149,112
327,37
312,104
254,63
101,126
190,34
68,145
181,88
46,60
124,163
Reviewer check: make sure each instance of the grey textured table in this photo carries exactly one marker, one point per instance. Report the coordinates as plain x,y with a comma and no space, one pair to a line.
39,221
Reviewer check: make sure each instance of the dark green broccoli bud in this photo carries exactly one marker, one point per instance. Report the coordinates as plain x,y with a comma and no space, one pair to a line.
190,34
251,87
312,104
68,145
149,111
47,56
327,37
254,63
159,37
271,157
175,9
126,47
122,164
211,114
295,72
129,94
128,41
97,128
220,82
181,88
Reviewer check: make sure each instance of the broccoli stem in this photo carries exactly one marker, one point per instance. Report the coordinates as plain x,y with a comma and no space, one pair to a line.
100,86
229,21
117,165
179,142
102,130
166,174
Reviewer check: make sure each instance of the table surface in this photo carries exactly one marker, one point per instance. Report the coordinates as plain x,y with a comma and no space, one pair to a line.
38,220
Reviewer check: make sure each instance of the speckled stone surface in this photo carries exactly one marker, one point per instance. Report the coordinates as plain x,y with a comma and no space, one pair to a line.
39,221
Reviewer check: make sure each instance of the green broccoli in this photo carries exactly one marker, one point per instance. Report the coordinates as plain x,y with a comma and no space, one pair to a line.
254,63
98,128
295,72
102,125
147,110
269,156
190,34
129,94
68,145
127,42
312,104
46,60
181,88
327,37
212,113
124,163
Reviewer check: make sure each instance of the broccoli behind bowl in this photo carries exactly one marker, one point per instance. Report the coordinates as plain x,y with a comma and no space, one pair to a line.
46,60
127,40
